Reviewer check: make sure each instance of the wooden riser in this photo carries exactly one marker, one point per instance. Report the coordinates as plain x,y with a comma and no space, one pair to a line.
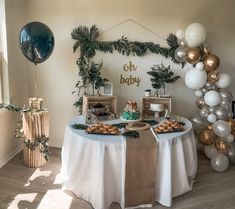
33,158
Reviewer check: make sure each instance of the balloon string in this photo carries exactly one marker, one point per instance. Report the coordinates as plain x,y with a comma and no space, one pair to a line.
36,83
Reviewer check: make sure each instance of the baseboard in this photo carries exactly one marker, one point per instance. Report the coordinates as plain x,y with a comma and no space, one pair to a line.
55,143
8,157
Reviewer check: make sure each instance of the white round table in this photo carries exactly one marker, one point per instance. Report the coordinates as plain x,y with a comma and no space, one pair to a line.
93,166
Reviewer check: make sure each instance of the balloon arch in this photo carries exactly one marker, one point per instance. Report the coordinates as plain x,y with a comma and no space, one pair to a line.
214,121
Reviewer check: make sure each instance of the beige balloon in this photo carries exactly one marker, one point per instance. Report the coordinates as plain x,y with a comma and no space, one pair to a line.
213,76
222,146
207,137
211,62
193,55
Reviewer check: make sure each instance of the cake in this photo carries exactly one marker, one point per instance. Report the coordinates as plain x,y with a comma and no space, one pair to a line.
131,111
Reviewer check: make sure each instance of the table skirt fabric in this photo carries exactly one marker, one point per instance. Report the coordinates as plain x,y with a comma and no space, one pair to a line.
95,169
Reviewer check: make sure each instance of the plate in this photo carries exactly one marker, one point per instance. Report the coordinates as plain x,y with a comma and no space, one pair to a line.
167,132
139,126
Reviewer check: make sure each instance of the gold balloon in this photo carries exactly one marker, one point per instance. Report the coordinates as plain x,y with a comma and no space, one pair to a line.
200,102
222,146
211,62
233,133
193,55
231,123
207,137
209,127
206,50
213,76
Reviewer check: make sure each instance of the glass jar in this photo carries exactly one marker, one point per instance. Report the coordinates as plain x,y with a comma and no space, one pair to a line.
147,92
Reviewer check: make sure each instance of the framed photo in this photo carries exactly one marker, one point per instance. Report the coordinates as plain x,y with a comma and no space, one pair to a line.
108,89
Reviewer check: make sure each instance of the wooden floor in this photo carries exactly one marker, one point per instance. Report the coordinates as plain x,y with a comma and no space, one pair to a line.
22,187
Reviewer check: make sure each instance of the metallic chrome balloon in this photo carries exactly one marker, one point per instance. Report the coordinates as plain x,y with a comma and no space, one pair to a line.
231,154
198,123
225,94
182,42
210,150
180,54
229,138
219,162
200,102
221,113
221,128
204,90
209,85
204,111
230,114
212,109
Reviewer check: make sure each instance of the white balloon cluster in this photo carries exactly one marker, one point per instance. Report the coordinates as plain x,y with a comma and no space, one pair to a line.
212,99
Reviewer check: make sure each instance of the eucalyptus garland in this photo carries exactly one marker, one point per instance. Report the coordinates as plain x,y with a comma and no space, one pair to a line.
87,40
42,142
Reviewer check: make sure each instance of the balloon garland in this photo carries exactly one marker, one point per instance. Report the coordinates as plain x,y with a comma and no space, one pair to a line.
215,115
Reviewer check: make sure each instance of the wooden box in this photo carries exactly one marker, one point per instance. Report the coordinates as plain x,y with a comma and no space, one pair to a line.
110,101
145,105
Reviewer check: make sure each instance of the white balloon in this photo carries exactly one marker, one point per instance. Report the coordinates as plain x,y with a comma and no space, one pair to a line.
229,138
195,34
195,79
200,66
211,118
198,93
221,128
224,80
210,150
219,162
212,98
179,34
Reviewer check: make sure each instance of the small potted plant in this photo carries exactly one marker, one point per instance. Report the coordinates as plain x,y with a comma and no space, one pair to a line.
160,75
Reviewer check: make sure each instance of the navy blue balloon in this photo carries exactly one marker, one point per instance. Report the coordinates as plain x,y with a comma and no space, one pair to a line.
36,42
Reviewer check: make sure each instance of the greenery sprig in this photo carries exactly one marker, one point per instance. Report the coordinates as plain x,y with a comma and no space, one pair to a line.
42,142
160,75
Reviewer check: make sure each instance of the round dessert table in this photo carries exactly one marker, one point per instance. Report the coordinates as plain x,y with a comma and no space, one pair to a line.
93,166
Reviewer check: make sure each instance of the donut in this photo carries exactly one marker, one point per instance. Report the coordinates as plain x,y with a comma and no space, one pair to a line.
113,129
114,132
107,126
105,132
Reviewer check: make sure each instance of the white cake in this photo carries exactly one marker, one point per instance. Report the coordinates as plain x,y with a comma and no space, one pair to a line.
157,107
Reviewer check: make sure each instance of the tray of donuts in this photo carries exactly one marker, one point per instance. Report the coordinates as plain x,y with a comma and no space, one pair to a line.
102,129
169,126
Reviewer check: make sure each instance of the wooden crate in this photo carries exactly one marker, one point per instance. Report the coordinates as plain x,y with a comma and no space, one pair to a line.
110,101
33,158
145,105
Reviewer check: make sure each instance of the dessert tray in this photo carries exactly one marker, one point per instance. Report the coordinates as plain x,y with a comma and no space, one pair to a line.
169,126
102,129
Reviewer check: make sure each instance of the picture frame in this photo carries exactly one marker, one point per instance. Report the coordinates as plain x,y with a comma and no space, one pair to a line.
107,89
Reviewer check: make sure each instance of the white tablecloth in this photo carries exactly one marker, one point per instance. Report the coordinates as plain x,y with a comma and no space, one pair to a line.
93,166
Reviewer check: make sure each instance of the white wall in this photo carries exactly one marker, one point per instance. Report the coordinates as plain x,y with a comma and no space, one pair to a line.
58,75
14,69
